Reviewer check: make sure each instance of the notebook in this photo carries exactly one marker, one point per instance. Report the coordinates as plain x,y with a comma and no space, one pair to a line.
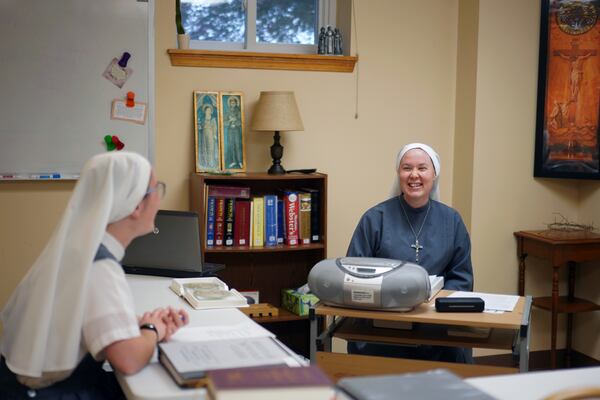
172,250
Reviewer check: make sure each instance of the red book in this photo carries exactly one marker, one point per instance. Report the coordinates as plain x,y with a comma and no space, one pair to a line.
241,223
220,222
291,206
229,191
273,382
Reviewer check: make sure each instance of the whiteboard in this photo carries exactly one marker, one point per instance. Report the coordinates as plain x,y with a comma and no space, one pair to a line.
55,104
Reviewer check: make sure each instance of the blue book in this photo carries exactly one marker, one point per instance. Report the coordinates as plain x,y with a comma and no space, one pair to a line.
280,219
270,220
210,221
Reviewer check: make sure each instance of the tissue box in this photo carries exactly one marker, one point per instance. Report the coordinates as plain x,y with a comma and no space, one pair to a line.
296,302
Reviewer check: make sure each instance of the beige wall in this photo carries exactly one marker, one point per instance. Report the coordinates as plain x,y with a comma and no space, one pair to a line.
480,118
506,197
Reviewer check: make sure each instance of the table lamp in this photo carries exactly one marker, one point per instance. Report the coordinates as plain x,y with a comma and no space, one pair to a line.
276,111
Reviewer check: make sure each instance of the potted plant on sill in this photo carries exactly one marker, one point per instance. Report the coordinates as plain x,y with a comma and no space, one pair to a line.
183,40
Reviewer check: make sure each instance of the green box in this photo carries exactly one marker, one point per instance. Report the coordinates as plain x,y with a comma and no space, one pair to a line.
296,302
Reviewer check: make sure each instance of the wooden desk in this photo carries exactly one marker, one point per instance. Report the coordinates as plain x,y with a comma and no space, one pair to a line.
561,249
508,330
339,365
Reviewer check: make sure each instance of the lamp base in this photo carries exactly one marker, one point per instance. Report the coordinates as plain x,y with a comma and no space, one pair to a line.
276,154
276,170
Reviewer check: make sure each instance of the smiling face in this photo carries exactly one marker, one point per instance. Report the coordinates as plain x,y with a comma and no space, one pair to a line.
416,174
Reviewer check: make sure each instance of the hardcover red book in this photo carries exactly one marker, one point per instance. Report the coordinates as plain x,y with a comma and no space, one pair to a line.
241,223
291,207
274,382
220,222
229,191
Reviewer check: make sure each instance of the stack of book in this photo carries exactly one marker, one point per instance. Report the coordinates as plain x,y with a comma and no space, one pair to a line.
236,217
205,361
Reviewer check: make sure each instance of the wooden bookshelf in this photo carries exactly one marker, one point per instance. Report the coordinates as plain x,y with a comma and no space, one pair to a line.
266,269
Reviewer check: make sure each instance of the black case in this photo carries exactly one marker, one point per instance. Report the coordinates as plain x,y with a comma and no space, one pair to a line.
459,304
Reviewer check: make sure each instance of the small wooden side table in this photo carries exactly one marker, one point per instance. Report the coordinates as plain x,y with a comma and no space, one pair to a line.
561,248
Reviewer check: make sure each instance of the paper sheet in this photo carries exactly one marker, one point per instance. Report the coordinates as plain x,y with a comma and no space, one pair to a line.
493,302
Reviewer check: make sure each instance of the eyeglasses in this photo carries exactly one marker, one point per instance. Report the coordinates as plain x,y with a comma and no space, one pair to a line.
160,188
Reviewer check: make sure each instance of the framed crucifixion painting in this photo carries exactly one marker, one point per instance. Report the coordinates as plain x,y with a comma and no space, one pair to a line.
567,137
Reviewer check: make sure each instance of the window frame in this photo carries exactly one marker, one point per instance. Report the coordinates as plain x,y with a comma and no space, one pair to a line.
326,15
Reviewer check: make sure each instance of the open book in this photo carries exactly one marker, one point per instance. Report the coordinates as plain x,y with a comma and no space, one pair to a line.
189,362
205,293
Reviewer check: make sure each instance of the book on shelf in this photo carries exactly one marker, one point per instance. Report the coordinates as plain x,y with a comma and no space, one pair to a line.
401,325
429,385
188,362
219,221
469,331
228,191
280,222
270,383
241,223
304,217
207,293
290,210
315,214
228,230
211,204
258,221
270,201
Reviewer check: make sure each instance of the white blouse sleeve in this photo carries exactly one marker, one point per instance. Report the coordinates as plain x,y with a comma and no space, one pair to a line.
109,311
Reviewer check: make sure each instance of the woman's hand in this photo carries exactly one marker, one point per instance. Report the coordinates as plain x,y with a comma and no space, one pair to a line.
166,320
174,319
155,318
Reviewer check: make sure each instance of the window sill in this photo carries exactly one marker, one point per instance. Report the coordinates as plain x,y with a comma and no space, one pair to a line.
239,59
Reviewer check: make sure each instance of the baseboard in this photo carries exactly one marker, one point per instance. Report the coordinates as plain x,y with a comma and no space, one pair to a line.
540,360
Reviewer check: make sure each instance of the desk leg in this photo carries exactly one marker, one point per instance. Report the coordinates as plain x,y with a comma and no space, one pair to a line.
314,324
524,337
571,296
554,310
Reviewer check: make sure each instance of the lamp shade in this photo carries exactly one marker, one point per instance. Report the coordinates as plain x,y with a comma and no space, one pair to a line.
276,111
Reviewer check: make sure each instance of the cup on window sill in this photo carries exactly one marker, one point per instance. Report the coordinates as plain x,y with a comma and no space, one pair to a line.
183,41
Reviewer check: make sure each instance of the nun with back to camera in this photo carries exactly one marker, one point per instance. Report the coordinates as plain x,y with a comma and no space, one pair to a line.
74,308
413,225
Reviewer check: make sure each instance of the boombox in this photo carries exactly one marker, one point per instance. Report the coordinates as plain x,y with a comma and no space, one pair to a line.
370,283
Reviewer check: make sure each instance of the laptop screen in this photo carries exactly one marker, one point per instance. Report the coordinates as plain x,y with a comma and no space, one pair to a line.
174,246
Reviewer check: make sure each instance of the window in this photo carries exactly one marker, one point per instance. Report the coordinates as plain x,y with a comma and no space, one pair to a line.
277,26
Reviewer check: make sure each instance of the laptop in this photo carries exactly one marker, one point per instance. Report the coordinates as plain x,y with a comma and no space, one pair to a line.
172,250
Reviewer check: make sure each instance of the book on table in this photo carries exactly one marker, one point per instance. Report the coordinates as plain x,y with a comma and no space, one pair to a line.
270,383
189,362
207,293
437,283
431,385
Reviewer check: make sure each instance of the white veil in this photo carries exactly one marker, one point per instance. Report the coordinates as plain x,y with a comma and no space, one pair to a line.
43,317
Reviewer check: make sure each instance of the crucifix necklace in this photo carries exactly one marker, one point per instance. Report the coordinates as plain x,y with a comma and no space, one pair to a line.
416,245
